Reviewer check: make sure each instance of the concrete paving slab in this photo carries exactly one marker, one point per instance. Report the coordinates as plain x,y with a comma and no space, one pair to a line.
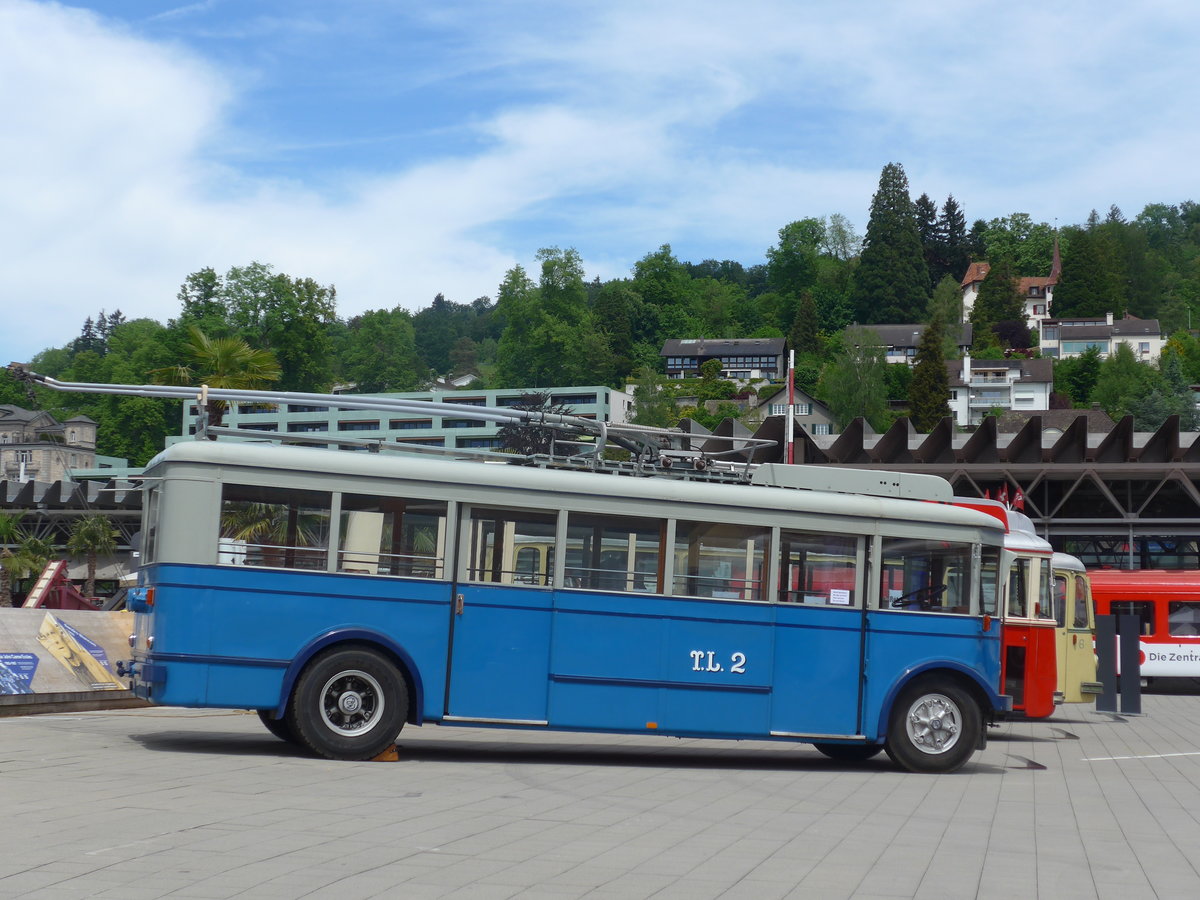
158,803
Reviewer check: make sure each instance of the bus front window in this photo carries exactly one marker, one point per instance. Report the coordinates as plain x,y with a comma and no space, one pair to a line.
925,576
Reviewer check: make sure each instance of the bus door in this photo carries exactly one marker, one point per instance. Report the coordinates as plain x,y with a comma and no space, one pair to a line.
924,598
817,682
657,627
1029,669
500,642
1076,646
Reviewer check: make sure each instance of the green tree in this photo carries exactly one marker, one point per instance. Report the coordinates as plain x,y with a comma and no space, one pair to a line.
999,300
201,303
792,263
841,242
92,536
946,308
1091,280
662,280
1168,395
380,352
803,336
953,250
891,283
1077,376
1028,245
228,363
929,393
1123,381
854,383
653,399
288,316
616,310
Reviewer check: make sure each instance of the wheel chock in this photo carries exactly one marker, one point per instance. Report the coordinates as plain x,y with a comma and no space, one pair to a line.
391,754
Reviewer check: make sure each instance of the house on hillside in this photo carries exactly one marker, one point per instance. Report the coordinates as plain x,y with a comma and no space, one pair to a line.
742,359
977,387
810,414
1069,337
1038,292
35,446
900,342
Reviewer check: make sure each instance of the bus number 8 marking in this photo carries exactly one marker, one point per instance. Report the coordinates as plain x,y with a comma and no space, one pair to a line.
705,661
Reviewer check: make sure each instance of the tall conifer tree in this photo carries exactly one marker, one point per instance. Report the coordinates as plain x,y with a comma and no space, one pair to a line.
929,393
891,284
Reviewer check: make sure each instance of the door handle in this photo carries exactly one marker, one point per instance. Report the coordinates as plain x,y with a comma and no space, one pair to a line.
458,604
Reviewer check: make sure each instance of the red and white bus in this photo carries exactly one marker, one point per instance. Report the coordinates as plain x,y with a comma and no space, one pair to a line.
1029,642
1167,601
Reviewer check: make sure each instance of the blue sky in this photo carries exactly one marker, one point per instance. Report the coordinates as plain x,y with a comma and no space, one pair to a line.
401,149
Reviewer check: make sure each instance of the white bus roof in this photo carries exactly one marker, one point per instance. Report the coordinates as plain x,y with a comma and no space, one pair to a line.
464,474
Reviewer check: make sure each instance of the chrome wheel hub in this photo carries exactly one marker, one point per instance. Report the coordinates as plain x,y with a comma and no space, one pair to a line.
351,703
934,723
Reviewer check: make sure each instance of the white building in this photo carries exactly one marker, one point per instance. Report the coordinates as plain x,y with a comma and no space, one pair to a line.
1069,337
742,359
978,387
1038,292
900,342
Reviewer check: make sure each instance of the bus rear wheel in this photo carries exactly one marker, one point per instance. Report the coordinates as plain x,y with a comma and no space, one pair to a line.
849,752
348,704
934,727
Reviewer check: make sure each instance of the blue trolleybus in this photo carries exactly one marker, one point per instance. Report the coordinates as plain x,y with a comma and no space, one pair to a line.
345,595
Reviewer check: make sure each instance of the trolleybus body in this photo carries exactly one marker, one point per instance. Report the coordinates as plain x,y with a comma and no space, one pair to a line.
344,594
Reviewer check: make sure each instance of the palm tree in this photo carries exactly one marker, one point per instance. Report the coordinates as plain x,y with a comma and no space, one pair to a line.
91,536
10,565
227,362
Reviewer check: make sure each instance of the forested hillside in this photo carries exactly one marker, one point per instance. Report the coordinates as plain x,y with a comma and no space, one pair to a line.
553,325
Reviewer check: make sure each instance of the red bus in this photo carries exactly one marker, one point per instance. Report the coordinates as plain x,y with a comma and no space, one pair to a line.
1029,641
1167,601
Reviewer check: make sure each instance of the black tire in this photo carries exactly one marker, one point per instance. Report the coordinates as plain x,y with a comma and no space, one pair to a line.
277,727
934,726
849,752
348,704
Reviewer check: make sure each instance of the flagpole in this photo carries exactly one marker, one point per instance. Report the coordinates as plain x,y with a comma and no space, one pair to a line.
791,408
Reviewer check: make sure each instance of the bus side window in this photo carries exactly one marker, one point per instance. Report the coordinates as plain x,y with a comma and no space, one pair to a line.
614,553
274,527
720,560
925,576
1060,601
1018,588
392,536
510,546
1183,617
1081,618
1140,608
818,569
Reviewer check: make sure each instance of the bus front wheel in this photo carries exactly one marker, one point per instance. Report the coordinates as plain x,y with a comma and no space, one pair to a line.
934,727
348,704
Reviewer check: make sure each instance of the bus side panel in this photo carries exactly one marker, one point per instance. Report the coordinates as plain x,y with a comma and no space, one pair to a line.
1030,668
673,665
898,643
500,660
269,616
818,669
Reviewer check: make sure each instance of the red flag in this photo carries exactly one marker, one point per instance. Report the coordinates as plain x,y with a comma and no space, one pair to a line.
1002,494
1018,500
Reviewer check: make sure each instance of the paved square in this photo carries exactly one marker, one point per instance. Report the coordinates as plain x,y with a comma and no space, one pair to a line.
141,804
